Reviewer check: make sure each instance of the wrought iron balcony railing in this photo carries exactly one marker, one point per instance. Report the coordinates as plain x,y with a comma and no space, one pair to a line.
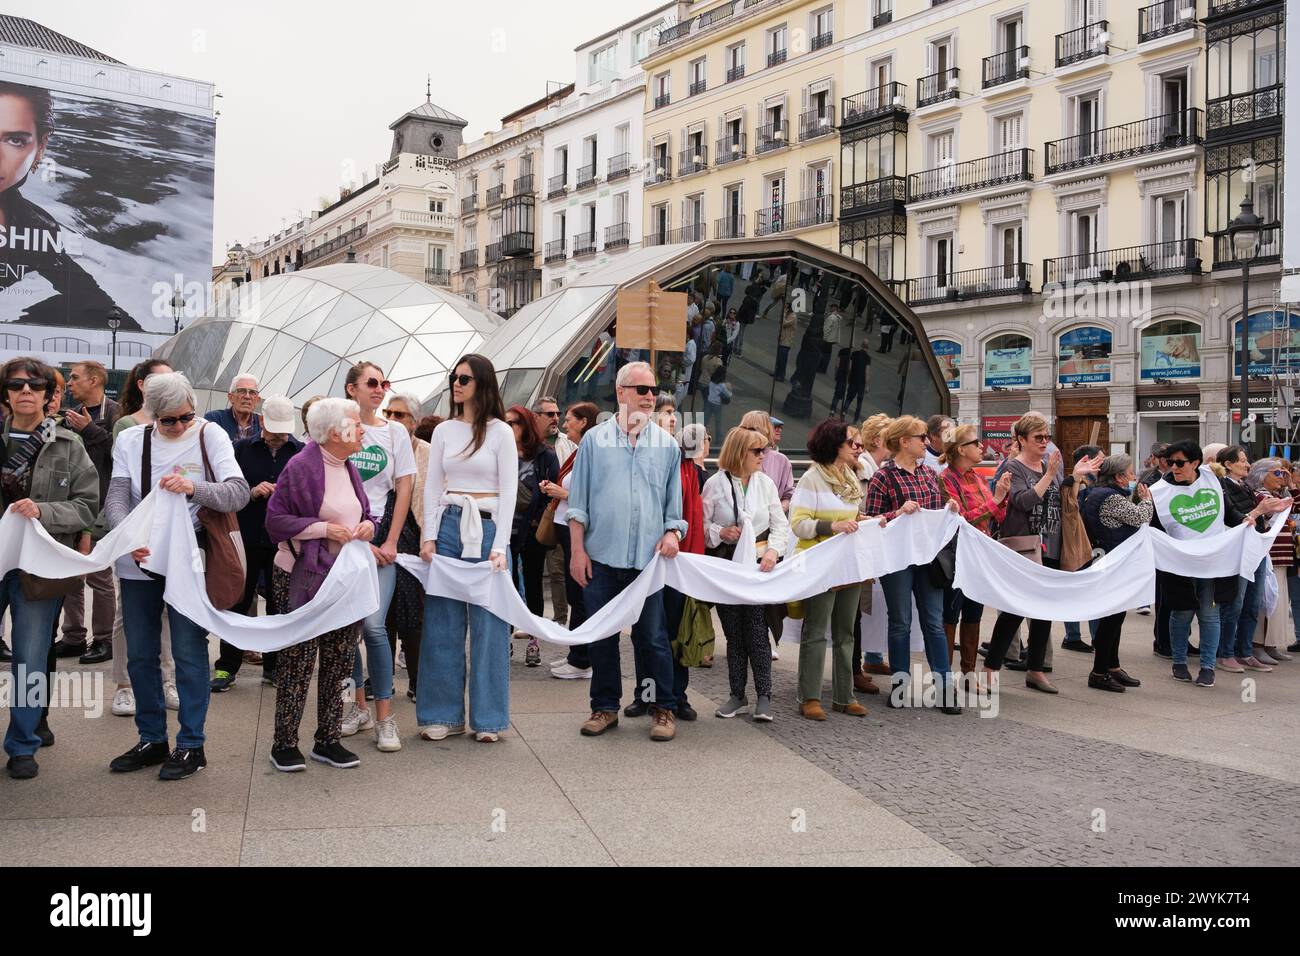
492,253
586,176
584,244
696,88
662,100
1245,109
659,171
468,204
468,260
794,215
437,276
557,185
815,123
523,185
495,194
772,136
692,232
1151,135
870,195
1014,278
776,57
619,167
729,149
822,40
519,243
938,87
1177,257
1017,165
729,227
618,235
1083,43
736,73
1006,66
873,104
1165,19
553,251
693,160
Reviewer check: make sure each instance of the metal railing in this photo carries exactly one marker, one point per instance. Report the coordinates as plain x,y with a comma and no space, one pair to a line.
553,251
794,215
618,235
822,40
334,245
495,194
938,87
662,100
1082,43
1013,278
1016,165
880,19
468,204
557,185
777,57
586,176
693,160
584,244
1256,106
620,167
1220,8
729,149
699,86
1151,135
659,171
1177,257
1005,66
468,260
877,192
772,136
736,73
1270,248
492,253
669,34
518,243
523,185
873,103
437,276
816,123
692,232
729,227
1165,19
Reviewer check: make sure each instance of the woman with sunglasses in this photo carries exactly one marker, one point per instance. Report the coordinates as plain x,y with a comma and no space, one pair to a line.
387,467
536,463
405,620
469,500
737,494
962,451
1270,480
194,458
903,485
46,477
1238,619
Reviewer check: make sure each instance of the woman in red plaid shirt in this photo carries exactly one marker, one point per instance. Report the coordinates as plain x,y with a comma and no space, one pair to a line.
902,486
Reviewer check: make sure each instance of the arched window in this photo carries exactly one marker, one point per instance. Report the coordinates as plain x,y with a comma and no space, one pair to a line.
1007,361
1171,349
1273,340
948,354
1083,356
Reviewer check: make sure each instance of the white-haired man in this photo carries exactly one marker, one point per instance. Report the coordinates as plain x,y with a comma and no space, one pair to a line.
239,421
625,506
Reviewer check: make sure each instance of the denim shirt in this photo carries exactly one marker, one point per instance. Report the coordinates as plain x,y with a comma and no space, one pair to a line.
626,496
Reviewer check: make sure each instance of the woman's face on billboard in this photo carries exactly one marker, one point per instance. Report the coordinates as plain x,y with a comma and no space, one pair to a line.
19,146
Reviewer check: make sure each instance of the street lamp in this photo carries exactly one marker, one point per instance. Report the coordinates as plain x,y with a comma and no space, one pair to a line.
1244,233
115,317
178,306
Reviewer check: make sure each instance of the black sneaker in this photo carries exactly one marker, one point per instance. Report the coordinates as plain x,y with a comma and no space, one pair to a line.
22,768
983,649
1164,652
1080,645
1182,673
288,759
43,731
140,756
686,712
98,652
221,682
335,754
1205,678
6,655
1294,648
1193,650
183,762
1105,682
638,708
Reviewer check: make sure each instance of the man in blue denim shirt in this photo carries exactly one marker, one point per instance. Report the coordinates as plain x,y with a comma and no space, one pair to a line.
625,506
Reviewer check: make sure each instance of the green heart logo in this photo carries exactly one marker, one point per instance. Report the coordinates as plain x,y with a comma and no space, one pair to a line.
370,461
1197,511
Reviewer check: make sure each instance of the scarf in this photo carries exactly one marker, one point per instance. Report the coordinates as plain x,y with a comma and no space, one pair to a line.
16,475
692,509
842,481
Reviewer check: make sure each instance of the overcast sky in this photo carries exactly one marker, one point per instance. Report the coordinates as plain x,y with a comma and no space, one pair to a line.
308,89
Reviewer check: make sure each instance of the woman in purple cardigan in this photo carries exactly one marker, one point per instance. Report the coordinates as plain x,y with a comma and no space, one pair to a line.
318,506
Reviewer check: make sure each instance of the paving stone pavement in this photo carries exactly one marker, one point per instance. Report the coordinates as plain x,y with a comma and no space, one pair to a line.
1001,792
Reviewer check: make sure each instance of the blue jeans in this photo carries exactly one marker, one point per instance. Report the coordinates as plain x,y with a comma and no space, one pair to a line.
674,608
33,632
1248,618
900,588
1180,626
1072,632
440,683
142,611
1293,594
782,357
649,640
379,653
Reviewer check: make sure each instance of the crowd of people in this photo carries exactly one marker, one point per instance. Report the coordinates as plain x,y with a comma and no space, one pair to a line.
577,502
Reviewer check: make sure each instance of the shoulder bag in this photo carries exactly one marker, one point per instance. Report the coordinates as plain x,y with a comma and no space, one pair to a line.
724,550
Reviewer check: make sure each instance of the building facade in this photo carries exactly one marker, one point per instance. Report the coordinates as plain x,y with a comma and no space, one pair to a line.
591,204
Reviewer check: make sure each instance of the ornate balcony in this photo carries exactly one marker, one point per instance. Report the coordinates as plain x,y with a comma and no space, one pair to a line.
620,167
440,277
873,104
1084,43
736,73
794,215
1004,67
937,87
1152,135
1165,19
863,197
729,149
694,160
814,124
1017,165
1179,257
776,57
1014,278
1246,109
770,137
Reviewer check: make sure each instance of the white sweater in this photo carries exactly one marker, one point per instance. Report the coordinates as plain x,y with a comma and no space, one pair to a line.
493,469
759,502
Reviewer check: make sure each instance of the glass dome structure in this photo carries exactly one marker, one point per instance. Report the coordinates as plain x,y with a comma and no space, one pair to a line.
299,332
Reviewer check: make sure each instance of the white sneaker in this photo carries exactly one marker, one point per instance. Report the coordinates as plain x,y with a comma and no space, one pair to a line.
124,702
401,658
386,738
567,671
356,719
1145,609
775,655
170,697
558,663
440,731
487,737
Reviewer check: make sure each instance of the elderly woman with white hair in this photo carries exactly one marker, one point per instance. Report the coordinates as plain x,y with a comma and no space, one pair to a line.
319,505
181,454
1270,480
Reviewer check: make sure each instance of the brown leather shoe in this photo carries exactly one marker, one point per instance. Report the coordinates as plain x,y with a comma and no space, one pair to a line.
663,725
968,637
881,669
853,710
599,722
812,709
864,683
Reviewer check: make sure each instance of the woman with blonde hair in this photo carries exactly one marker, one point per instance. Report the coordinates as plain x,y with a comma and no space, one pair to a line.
874,452
740,499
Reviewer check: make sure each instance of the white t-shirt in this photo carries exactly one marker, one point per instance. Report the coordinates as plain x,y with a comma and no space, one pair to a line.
167,456
493,469
384,457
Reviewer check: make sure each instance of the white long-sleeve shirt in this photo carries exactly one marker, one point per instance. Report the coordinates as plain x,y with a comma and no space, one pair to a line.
493,469
759,502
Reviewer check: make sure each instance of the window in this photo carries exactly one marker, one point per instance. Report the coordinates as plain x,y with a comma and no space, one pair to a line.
940,55
735,61
437,258
1085,121
1082,12
776,45
822,27
881,73
1083,237
941,259
733,209
1009,133
941,149
1010,34
659,222
561,227
603,65
620,208
622,134
1171,349
882,12
661,89
437,205
697,71
1011,251
643,39
817,193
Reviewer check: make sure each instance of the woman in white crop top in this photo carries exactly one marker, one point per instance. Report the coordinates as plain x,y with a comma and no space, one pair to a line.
469,502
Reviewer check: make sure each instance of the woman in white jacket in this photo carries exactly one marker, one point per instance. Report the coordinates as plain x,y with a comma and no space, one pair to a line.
741,500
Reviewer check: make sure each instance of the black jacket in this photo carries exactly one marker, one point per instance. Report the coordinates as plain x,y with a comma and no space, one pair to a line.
1237,503
98,439
1180,592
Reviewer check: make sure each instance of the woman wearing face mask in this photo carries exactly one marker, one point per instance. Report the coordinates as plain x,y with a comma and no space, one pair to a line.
1112,517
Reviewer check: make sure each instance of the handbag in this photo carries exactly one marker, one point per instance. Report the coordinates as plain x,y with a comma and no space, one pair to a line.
724,550
1026,545
695,637
943,569
546,534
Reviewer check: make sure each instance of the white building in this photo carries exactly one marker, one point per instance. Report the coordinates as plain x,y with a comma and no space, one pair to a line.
592,145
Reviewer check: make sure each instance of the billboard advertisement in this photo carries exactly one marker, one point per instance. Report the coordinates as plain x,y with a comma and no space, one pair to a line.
1171,350
996,430
1273,341
103,203
948,355
1007,362
1084,357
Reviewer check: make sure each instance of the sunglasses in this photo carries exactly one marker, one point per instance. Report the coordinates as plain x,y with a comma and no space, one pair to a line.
855,444
34,384
173,420
550,414
1040,439
760,452
1277,473
973,441
1179,462
461,380
372,382
923,436
640,389
392,413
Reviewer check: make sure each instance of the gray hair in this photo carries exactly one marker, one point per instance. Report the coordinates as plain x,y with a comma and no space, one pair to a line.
234,382
631,368
1112,468
691,438
328,415
412,403
1258,472
166,392
537,405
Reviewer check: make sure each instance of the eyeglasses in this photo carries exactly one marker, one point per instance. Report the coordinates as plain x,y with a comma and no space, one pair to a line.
1279,473
973,441
172,420
760,452
372,382
393,413
1179,462
245,392
461,380
554,414
1040,439
855,445
640,389
33,384
923,436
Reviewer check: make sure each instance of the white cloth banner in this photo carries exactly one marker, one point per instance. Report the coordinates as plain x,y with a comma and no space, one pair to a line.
1190,512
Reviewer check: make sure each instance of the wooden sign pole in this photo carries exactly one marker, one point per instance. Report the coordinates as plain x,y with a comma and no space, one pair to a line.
654,309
